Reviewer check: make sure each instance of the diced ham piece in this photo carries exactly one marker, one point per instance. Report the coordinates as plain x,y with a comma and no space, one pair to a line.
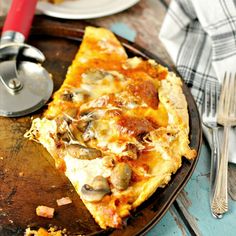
63,201
44,211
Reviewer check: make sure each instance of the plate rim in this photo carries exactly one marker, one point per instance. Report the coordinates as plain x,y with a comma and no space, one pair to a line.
42,7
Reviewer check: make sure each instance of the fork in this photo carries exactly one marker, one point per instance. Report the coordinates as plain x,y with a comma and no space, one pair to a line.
209,118
226,116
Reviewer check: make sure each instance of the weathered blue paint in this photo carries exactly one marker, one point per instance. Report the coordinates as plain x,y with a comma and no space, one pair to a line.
170,224
124,31
198,192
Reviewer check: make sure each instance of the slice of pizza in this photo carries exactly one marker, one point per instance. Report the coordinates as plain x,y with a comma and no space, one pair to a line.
118,127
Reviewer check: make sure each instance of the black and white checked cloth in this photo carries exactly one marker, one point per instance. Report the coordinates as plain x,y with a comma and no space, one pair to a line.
200,37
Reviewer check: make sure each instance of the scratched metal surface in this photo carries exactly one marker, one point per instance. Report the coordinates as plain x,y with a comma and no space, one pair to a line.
189,215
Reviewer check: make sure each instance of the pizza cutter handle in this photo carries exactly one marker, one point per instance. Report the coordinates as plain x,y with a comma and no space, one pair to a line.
19,18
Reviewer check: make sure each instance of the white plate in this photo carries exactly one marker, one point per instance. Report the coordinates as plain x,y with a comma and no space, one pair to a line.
84,9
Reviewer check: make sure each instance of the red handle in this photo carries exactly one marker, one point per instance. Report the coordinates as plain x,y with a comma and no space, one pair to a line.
20,16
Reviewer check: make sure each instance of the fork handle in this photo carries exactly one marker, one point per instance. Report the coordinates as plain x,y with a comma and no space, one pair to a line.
220,198
214,157
215,161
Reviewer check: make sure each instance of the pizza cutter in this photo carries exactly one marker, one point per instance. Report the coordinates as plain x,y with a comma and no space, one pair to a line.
25,85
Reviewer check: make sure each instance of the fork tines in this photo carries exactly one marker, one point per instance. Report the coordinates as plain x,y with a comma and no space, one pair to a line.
227,105
211,97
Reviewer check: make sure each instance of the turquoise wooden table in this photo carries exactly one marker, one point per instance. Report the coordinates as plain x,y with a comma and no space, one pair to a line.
190,213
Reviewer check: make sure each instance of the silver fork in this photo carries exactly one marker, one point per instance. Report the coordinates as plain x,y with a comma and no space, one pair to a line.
226,116
209,118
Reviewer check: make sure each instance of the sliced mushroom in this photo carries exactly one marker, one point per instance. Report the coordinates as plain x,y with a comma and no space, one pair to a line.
96,191
92,76
121,175
69,115
84,120
82,152
75,134
84,125
68,133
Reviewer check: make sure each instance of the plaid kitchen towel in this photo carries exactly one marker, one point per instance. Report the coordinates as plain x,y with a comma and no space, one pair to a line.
200,37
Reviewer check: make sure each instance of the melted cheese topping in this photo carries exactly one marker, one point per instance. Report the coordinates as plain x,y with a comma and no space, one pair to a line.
82,172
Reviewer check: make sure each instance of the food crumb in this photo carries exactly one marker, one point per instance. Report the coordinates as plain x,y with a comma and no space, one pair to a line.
52,231
63,201
21,174
1,158
44,211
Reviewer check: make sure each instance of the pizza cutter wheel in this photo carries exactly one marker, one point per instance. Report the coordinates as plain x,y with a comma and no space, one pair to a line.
25,85
23,90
